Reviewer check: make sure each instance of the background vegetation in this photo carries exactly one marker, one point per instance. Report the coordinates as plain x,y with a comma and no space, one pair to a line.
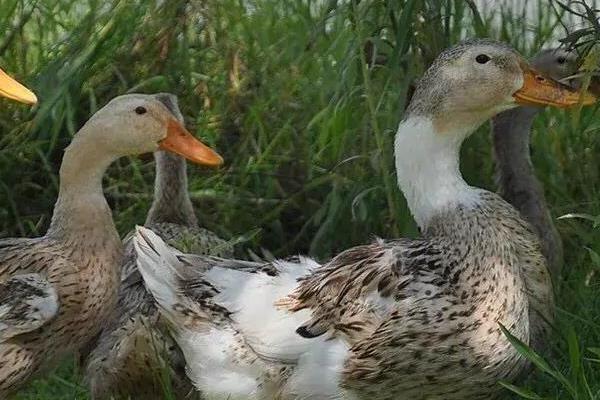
302,98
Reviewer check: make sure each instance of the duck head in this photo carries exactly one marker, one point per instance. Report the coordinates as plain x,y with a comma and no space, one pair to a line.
464,87
139,123
563,64
471,82
557,64
12,89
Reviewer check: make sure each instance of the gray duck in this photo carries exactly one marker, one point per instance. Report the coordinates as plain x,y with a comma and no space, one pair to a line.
134,357
57,291
515,175
397,319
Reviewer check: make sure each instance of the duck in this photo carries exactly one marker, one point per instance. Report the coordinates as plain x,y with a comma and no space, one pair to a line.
133,353
58,290
406,318
515,176
13,90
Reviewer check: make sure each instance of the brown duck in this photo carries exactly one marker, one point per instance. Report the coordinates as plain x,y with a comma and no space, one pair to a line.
57,291
134,358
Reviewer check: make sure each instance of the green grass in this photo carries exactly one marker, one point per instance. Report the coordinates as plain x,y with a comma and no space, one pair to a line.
287,92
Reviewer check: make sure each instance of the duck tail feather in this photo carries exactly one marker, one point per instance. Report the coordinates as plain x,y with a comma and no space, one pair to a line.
158,264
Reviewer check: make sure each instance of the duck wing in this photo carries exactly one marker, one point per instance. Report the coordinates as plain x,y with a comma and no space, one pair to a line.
27,299
27,302
363,287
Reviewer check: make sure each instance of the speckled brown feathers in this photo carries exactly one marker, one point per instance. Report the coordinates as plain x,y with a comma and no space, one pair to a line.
78,290
35,305
444,296
420,317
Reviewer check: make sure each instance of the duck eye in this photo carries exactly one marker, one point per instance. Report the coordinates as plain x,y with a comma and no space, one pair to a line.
482,58
561,60
140,110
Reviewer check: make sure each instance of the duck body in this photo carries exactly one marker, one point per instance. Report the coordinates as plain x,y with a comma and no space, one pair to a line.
76,261
411,326
404,319
443,326
64,317
398,319
57,291
134,357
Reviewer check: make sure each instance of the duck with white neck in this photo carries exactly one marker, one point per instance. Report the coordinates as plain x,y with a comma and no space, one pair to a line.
403,319
57,291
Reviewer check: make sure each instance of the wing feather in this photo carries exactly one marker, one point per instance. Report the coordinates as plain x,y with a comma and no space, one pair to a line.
359,289
27,302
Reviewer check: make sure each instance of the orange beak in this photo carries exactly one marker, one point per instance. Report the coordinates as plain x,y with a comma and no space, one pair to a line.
12,89
180,141
538,90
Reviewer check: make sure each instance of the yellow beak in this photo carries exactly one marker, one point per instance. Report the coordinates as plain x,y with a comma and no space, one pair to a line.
180,141
538,90
12,89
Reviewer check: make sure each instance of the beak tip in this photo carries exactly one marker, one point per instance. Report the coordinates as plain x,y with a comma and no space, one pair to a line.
217,163
211,160
13,90
31,101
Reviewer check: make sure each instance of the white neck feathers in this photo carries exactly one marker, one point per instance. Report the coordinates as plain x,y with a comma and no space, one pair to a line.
427,165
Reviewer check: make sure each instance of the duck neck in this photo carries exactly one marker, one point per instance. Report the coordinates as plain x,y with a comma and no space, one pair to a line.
171,201
81,209
427,166
517,182
511,135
